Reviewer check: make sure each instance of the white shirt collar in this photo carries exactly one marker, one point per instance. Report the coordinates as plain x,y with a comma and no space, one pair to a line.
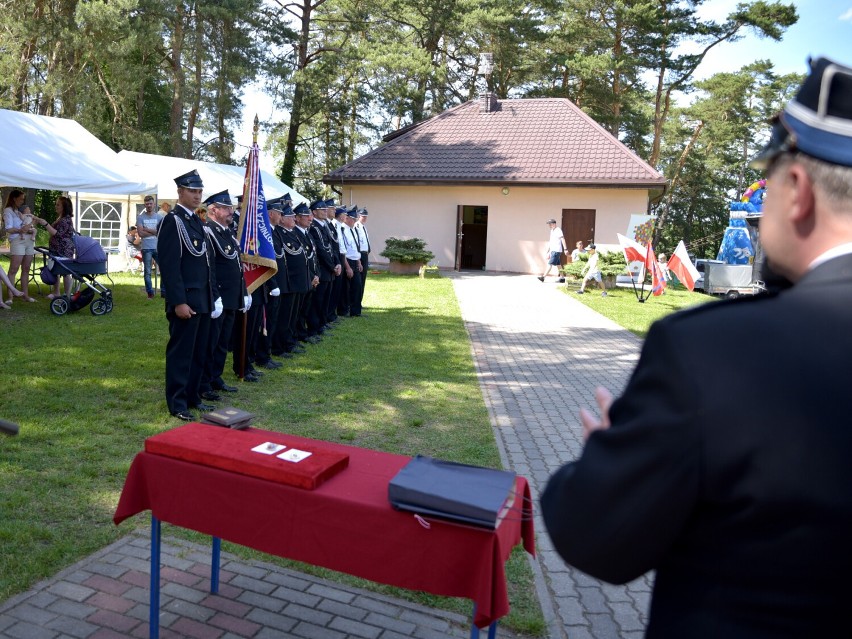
836,251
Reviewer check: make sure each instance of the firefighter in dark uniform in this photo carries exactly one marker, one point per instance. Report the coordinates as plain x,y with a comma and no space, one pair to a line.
327,267
189,285
276,287
304,217
232,290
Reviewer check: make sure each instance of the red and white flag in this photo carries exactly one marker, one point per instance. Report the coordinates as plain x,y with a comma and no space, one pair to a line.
682,267
633,251
658,280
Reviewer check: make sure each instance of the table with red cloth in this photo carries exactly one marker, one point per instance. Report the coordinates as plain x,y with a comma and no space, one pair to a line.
346,524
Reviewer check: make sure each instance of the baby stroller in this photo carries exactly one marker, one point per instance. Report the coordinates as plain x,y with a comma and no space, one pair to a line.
89,262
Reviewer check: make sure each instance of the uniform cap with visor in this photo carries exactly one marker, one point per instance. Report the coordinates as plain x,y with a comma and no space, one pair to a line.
818,120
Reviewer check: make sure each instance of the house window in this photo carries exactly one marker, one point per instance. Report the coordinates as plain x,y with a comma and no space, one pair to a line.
102,221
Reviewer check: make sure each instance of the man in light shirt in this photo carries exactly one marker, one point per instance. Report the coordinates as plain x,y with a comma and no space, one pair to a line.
555,250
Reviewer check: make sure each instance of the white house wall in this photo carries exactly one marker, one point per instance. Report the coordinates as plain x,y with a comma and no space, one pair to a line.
517,232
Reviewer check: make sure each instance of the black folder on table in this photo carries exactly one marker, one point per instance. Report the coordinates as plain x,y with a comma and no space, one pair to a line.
229,417
458,492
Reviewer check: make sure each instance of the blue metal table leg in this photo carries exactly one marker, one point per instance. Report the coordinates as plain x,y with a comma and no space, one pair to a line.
474,631
214,565
154,604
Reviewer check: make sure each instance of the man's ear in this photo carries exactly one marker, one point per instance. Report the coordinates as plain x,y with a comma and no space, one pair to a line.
801,194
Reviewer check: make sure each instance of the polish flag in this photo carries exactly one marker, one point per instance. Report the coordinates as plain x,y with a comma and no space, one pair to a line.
633,251
680,264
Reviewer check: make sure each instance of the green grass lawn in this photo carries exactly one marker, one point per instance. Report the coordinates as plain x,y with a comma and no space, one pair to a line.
88,390
621,304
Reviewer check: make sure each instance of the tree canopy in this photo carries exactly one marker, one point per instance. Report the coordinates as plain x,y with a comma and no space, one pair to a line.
167,76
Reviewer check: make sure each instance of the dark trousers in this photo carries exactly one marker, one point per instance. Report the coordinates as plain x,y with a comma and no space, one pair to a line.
302,319
334,296
220,341
244,357
355,289
298,303
282,337
343,299
365,263
186,353
267,330
319,308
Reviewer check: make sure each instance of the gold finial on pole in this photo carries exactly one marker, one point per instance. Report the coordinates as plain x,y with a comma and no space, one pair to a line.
256,126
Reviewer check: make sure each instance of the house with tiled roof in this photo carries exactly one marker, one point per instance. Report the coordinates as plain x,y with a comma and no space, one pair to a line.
479,181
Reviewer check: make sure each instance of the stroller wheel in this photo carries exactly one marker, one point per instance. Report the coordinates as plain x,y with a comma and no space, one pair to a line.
99,307
59,306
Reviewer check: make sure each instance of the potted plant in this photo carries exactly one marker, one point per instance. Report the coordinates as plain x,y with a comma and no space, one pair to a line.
406,256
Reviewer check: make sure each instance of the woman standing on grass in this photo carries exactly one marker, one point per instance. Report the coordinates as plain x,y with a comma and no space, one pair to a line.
62,238
21,231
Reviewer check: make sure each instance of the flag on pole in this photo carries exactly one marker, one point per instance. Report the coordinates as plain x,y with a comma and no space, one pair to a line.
658,280
683,268
633,251
254,230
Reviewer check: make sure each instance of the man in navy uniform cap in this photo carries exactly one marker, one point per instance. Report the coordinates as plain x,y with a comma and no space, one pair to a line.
353,265
327,265
191,292
364,244
284,339
743,508
232,289
304,217
276,289
340,290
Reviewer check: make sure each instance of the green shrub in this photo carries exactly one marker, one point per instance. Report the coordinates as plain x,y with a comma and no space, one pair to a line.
611,263
406,251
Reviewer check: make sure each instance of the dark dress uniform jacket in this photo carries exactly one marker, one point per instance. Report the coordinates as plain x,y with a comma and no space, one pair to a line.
322,243
728,469
229,271
297,262
280,278
187,279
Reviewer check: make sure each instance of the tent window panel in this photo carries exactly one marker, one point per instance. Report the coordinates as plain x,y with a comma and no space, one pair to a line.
101,221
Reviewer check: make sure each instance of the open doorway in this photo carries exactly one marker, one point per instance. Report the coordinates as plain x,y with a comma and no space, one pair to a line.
471,237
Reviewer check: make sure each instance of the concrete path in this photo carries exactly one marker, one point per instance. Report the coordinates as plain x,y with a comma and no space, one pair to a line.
540,354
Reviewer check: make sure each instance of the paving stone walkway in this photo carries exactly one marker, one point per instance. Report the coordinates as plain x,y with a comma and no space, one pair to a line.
539,354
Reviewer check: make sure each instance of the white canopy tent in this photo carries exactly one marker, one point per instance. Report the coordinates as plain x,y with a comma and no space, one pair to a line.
41,152
163,170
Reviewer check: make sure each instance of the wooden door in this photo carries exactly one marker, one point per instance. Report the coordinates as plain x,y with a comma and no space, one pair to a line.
459,236
578,225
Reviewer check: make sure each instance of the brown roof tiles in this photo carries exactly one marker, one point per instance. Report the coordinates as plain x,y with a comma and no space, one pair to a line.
528,141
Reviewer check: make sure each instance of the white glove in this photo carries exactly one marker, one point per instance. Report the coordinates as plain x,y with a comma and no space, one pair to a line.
246,303
275,292
217,308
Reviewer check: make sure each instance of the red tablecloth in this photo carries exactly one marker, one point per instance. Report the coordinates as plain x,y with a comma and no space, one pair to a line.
347,524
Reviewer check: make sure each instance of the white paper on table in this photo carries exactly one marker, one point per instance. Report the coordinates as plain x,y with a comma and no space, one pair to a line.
294,455
268,448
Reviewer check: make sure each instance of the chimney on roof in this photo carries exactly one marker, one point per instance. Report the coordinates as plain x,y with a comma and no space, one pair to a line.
487,99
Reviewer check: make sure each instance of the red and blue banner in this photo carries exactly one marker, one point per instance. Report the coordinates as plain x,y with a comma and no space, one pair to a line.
254,230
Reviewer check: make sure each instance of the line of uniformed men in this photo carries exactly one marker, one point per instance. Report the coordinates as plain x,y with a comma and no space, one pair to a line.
322,254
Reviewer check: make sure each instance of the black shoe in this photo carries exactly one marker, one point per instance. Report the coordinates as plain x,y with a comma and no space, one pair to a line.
298,349
184,415
251,377
204,407
561,280
271,365
213,396
540,278
227,389
286,355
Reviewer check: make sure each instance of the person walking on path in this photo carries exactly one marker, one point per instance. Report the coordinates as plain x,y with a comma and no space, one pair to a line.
592,271
745,514
555,250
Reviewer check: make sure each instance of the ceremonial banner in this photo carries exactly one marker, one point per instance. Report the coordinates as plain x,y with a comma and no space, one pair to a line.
254,230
